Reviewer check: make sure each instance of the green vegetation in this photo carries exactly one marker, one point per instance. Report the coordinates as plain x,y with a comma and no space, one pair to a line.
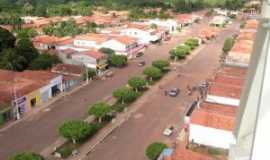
100,110
44,61
125,95
84,7
20,54
107,51
228,44
192,43
181,51
91,73
178,53
69,28
152,73
117,60
137,83
154,150
26,156
66,149
77,131
161,64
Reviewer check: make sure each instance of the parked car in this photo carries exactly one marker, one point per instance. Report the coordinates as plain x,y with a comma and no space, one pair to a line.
141,63
168,131
174,92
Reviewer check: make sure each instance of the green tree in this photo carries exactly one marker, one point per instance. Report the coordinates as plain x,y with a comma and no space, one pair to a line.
11,60
26,156
180,52
77,131
107,51
15,21
153,26
152,73
192,43
26,33
154,150
100,110
118,60
125,95
161,64
90,73
137,83
26,49
44,61
7,40
228,44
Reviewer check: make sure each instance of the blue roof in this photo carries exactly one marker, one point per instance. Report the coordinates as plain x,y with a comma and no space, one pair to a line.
167,152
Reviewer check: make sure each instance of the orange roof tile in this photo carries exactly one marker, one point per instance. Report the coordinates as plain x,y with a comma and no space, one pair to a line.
99,38
68,69
94,54
214,117
242,47
233,71
125,39
181,153
222,90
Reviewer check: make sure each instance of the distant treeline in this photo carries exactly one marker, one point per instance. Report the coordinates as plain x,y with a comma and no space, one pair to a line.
84,7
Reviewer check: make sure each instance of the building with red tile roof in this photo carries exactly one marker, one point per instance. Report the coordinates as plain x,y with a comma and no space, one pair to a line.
68,70
30,87
212,124
182,153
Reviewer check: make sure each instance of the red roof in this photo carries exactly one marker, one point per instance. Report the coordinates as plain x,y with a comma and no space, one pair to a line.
24,82
228,80
233,71
222,90
68,69
242,47
181,153
95,54
251,24
214,116
125,40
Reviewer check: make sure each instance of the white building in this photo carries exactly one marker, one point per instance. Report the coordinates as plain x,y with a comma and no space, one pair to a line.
124,45
144,34
219,21
169,24
212,125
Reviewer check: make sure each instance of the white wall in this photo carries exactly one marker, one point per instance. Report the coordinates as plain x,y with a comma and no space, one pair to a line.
210,136
85,60
85,43
222,100
114,45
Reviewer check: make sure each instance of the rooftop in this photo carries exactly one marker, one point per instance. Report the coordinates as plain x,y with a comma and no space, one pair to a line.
24,82
228,80
181,153
242,47
214,116
68,69
95,54
225,90
98,38
233,71
125,39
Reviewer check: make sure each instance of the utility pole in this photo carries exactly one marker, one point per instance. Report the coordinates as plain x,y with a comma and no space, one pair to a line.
18,116
86,72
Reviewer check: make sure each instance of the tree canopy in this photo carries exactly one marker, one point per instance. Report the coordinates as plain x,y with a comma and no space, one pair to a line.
137,83
26,156
76,130
154,150
161,64
100,110
152,72
125,95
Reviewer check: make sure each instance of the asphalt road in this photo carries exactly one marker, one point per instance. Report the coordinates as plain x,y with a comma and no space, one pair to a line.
40,130
147,124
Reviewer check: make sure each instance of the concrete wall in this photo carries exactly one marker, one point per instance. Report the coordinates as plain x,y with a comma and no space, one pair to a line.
210,136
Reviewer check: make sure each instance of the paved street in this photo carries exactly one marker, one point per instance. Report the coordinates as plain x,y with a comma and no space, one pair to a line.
146,125
39,131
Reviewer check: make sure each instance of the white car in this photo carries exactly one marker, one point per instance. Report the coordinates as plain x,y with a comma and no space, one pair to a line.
168,131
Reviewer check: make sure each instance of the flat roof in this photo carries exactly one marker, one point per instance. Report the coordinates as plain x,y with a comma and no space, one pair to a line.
223,90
